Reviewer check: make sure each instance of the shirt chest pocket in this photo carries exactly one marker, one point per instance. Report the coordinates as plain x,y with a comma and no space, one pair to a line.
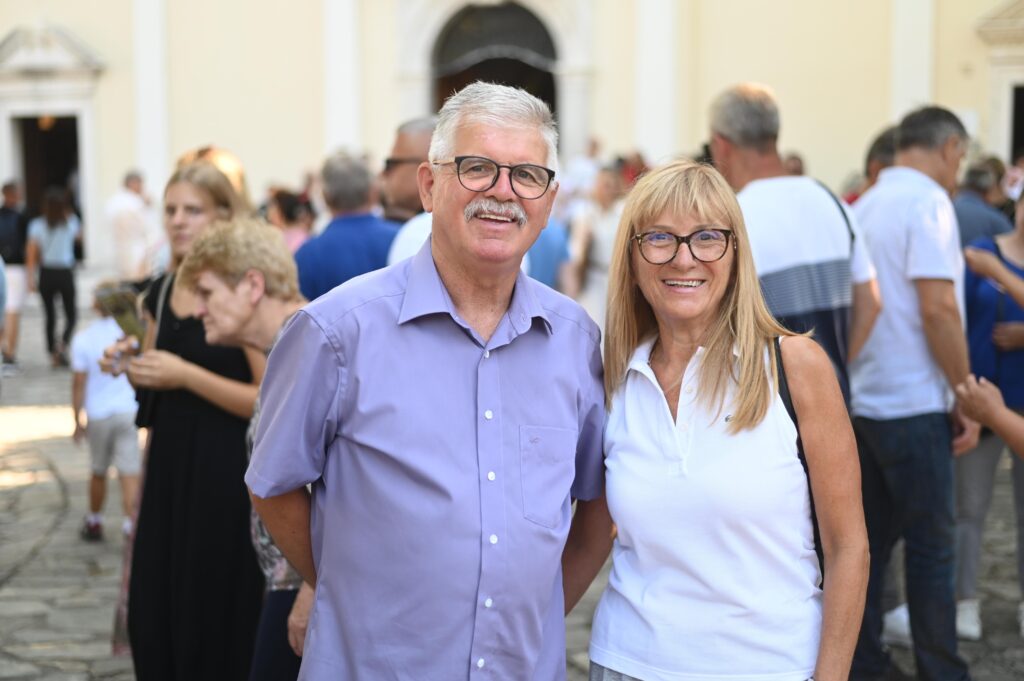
547,458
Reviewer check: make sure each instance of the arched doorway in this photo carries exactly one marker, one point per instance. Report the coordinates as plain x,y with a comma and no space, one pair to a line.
504,43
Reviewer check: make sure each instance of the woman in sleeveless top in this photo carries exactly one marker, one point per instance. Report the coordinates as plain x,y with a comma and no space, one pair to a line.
715,573
195,587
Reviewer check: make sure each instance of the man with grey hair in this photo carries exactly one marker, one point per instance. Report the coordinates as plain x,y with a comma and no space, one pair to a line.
907,426
400,195
355,241
132,226
976,213
814,270
447,411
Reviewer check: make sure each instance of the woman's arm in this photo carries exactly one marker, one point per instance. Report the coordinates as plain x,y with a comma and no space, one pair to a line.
834,470
162,370
31,263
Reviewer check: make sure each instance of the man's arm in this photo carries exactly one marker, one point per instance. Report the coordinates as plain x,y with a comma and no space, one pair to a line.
867,304
287,518
944,332
586,548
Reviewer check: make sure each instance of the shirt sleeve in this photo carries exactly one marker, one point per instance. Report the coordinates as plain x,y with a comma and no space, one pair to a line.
862,269
35,230
299,403
79,354
932,228
589,480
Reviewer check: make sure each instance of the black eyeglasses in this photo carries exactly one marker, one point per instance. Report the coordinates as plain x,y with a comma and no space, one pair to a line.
391,163
478,174
706,245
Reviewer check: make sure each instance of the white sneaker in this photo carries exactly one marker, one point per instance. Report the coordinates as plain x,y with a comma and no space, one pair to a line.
896,627
968,619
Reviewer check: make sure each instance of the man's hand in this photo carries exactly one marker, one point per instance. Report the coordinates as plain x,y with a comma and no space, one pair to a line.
298,618
966,431
979,399
984,263
1008,335
79,434
158,370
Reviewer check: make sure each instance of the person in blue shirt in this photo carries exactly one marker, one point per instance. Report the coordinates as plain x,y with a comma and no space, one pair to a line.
975,213
355,241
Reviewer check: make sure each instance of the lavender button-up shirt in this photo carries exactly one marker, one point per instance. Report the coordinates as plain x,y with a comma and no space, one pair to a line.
442,469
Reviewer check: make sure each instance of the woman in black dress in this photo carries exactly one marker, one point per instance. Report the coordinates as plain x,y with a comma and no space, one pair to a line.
195,588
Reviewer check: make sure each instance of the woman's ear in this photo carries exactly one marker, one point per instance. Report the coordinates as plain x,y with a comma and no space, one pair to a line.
257,285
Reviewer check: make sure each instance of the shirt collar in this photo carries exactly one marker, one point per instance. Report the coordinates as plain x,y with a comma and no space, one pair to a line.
425,294
640,361
905,174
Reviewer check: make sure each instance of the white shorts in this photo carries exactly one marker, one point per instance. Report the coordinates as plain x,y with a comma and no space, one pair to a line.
17,287
114,440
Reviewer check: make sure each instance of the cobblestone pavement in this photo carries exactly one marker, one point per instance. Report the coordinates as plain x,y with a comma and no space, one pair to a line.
57,593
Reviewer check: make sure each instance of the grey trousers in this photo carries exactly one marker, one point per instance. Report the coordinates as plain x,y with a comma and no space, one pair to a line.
599,673
975,479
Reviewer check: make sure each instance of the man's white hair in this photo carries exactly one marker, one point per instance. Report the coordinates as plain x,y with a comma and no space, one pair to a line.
747,116
493,105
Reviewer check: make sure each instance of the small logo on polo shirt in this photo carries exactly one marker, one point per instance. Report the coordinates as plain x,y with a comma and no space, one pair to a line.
728,418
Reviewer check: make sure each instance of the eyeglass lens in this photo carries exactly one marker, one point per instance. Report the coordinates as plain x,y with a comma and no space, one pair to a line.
480,174
706,245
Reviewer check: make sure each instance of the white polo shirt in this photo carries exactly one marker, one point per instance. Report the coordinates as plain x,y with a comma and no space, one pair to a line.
714,573
105,395
911,232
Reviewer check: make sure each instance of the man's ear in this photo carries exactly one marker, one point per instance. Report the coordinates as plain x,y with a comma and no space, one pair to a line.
425,183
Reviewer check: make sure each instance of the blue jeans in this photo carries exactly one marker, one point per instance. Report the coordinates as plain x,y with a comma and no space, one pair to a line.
907,479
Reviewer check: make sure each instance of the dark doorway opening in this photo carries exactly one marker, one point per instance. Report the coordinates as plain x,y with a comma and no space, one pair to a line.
503,43
49,146
50,151
1017,145
513,72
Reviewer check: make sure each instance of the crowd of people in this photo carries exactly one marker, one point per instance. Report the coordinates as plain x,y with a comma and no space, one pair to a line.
404,444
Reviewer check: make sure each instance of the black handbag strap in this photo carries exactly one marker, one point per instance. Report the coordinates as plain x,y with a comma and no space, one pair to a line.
787,401
842,211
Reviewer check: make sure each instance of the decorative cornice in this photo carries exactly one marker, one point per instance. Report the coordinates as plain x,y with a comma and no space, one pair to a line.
1004,26
46,50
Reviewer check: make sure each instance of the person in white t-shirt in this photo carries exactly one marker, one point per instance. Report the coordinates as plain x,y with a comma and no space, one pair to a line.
815,272
109,405
907,426
713,487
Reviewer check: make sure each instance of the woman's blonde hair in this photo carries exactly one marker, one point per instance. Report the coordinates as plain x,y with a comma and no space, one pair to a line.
208,178
685,188
230,248
225,162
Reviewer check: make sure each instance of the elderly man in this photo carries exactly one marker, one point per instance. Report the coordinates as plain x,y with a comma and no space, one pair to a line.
355,241
902,390
815,271
400,194
446,411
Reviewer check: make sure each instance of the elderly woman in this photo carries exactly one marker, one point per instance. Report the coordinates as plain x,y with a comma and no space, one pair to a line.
712,480
247,287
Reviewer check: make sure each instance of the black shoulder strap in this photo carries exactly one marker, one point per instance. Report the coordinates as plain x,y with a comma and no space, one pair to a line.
787,400
842,211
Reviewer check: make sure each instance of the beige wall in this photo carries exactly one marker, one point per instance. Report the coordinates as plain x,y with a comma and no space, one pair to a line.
962,63
827,62
109,33
612,101
249,77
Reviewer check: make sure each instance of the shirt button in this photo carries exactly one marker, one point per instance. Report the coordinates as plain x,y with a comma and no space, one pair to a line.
487,354
480,663
488,414
488,603
689,391
494,539
491,476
